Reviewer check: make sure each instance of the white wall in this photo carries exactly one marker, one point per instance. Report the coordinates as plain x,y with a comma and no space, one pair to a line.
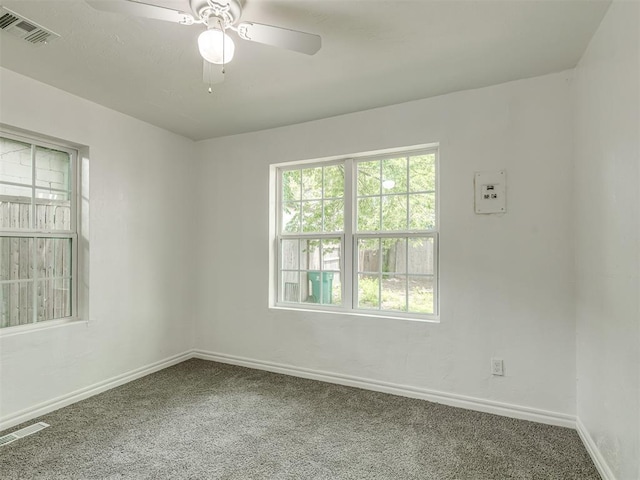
607,179
140,262
168,215
506,281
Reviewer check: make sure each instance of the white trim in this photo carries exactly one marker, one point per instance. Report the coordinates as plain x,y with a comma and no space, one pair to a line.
37,142
337,310
451,399
44,325
356,155
86,392
594,452
348,273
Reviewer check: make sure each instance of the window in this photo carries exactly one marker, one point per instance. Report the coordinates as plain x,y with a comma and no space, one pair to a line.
38,231
359,235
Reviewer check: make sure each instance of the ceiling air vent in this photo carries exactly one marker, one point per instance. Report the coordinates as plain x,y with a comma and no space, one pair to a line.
23,28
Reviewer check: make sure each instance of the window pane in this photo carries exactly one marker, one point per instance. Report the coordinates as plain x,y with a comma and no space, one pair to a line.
394,212
369,214
321,287
333,215
331,254
394,255
15,207
291,217
312,183
53,299
53,169
334,181
368,292
15,162
289,255
368,178
310,255
312,216
336,290
421,294
394,292
16,258
394,175
290,287
291,187
53,210
421,255
369,255
53,256
16,304
422,173
422,211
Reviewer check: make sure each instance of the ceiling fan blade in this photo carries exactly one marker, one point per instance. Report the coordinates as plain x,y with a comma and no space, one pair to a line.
145,10
280,37
211,73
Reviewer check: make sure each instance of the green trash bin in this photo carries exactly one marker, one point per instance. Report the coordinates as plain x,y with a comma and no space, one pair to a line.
327,286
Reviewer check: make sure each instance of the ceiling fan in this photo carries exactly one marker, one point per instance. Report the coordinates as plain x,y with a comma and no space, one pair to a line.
217,16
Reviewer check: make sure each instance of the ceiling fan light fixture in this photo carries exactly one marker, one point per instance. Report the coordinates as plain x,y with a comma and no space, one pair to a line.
211,43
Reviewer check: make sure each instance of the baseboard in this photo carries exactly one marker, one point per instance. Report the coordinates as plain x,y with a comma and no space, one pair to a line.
594,452
451,399
73,397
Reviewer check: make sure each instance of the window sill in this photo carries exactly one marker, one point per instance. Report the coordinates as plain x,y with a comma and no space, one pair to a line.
37,327
430,319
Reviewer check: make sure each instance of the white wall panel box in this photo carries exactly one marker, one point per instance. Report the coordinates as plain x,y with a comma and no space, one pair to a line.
490,188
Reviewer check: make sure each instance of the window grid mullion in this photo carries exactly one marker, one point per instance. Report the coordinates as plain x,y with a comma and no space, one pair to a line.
37,234
73,194
309,235
398,194
380,194
28,280
380,272
408,197
299,295
32,224
15,184
321,211
34,299
32,220
321,270
348,284
406,267
397,234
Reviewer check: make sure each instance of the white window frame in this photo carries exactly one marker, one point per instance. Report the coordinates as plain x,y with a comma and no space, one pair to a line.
34,233
349,237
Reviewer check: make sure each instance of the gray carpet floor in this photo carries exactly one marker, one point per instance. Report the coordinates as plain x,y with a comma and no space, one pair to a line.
205,420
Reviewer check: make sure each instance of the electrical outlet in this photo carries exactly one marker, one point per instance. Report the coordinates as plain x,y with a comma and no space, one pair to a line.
497,366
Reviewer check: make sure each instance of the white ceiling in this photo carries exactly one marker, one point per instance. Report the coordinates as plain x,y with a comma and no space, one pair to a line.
374,53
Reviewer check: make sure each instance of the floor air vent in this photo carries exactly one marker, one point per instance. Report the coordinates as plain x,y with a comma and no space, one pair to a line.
24,28
23,432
